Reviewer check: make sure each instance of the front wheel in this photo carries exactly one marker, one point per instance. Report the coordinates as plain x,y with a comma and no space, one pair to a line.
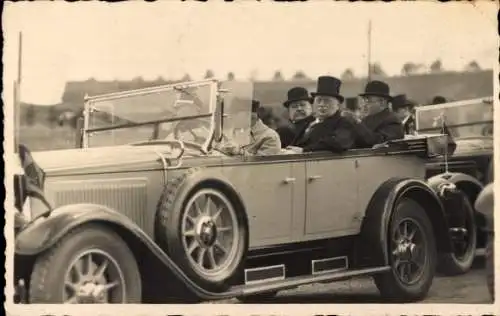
412,254
91,264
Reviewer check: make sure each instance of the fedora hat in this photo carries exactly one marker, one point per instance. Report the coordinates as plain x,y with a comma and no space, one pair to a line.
297,94
329,86
401,101
377,88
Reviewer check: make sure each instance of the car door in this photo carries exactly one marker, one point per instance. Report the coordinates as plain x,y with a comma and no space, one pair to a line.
267,189
331,197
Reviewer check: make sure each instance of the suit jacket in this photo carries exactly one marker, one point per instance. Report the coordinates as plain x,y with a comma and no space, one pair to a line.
264,141
378,128
334,134
289,133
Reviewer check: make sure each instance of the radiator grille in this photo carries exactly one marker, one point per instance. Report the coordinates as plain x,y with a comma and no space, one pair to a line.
128,196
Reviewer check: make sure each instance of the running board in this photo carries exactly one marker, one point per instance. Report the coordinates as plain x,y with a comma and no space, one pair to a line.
294,282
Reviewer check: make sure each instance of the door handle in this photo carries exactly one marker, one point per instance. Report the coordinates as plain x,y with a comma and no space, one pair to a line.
312,178
288,180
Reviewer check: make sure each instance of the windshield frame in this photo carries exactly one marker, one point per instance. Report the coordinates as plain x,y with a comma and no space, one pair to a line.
90,101
485,100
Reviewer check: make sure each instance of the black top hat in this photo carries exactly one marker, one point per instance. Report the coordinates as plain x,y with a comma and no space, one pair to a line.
400,101
377,88
296,94
255,106
329,86
438,100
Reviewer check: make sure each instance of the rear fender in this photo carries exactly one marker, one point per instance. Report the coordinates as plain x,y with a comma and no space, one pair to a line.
45,232
373,242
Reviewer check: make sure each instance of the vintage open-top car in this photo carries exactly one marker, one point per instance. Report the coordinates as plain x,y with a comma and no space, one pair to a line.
470,122
150,210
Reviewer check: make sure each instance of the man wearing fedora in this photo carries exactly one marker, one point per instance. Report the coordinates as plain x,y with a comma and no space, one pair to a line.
403,108
263,139
329,131
378,123
299,108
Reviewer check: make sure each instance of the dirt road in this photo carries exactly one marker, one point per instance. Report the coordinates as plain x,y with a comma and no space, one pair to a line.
468,289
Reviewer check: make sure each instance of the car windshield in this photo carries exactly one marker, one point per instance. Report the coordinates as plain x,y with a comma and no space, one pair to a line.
471,118
173,112
188,112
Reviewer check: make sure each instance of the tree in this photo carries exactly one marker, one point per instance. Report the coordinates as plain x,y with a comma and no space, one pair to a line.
299,75
436,66
278,76
472,66
186,77
30,115
209,74
408,69
230,76
348,74
376,69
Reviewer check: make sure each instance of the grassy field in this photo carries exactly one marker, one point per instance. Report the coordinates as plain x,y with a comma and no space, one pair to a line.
40,137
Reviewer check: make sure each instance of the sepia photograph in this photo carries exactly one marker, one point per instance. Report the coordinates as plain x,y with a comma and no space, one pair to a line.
250,156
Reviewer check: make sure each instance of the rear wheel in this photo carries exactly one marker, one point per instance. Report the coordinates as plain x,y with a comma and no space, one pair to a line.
464,241
412,254
91,264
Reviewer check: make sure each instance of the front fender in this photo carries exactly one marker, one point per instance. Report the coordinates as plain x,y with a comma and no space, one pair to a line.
373,240
485,205
45,232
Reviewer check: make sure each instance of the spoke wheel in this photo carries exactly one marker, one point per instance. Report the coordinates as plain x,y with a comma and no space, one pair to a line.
90,265
408,251
94,277
203,228
412,254
209,232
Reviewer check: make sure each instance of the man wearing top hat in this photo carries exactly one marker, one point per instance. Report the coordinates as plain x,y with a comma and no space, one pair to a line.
378,123
329,131
403,108
299,108
263,139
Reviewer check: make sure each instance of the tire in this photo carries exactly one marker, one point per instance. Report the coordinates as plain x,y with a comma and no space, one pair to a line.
390,284
57,266
203,236
490,267
451,264
257,298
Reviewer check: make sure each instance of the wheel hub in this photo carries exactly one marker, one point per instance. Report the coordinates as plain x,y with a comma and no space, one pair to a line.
91,292
206,231
406,249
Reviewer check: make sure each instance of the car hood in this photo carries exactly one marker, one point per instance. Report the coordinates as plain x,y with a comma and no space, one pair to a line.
102,159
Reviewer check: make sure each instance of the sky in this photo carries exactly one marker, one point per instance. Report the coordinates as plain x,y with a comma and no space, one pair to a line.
75,41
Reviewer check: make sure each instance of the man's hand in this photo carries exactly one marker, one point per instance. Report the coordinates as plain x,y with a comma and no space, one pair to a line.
229,148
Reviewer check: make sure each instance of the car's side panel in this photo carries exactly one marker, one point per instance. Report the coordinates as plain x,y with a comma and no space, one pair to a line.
331,197
135,194
267,190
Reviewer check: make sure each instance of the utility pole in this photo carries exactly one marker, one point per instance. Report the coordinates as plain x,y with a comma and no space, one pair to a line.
17,93
369,55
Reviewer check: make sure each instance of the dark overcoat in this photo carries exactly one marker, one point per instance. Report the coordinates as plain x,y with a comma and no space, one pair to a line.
378,128
289,133
335,134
